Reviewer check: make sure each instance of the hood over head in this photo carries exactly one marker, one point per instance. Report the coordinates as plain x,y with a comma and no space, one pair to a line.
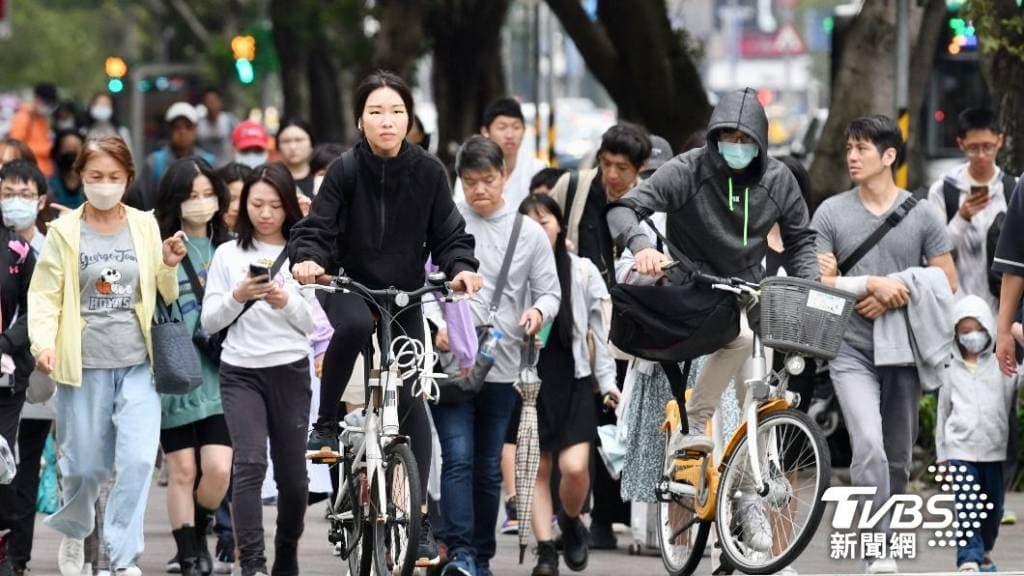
740,110
974,307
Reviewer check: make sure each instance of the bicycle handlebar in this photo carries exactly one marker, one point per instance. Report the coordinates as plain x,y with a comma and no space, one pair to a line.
341,282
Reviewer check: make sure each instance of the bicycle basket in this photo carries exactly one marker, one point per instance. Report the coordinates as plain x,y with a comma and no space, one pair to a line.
805,317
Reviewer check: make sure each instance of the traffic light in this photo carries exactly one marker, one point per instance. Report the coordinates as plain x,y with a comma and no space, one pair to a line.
116,68
964,36
243,48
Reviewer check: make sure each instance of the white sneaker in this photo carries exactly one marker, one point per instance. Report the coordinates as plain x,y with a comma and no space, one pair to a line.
882,566
969,567
788,571
757,532
71,556
129,571
103,573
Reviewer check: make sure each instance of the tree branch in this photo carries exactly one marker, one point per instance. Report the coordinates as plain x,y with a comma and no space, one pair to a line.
590,38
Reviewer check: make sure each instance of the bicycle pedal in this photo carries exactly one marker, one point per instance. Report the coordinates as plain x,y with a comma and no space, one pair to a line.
323,456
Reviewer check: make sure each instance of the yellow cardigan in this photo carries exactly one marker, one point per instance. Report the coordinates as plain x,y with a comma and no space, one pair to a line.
54,297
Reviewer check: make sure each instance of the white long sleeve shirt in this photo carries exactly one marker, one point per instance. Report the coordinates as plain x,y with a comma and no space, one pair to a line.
264,336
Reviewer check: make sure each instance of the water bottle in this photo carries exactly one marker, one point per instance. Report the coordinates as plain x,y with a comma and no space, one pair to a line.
485,356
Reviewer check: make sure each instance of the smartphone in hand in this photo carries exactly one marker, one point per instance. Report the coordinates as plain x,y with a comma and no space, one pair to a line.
255,271
979,191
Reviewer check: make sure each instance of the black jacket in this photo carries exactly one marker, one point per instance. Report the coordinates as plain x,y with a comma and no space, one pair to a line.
15,276
381,232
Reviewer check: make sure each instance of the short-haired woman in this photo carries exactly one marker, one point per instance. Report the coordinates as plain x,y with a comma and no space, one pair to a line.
90,310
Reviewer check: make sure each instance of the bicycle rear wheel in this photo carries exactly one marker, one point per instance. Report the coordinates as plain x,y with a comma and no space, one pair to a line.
682,536
396,536
350,521
763,534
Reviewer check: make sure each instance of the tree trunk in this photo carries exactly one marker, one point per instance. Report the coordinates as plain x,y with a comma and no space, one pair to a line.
326,111
928,23
642,63
1000,26
401,38
467,70
289,22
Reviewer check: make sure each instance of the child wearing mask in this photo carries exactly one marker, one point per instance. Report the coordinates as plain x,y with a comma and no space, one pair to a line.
972,429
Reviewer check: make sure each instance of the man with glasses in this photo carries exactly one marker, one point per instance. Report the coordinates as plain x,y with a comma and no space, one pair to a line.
972,196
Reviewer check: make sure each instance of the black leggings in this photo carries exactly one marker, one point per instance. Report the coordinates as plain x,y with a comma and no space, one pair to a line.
353,327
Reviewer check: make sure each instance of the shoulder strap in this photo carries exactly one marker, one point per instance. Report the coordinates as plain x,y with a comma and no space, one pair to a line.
1009,185
677,382
570,193
506,264
193,279
273,272
951,196
683,259
890,222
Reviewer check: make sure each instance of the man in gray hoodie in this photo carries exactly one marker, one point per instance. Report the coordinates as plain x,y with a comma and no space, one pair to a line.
721,201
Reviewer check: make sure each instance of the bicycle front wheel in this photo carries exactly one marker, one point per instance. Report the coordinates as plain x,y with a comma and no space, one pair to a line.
396,533
761,534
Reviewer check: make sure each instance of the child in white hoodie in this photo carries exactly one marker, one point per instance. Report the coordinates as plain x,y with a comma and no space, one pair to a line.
972,430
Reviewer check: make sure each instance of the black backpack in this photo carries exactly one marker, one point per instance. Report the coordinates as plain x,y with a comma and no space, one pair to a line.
951,195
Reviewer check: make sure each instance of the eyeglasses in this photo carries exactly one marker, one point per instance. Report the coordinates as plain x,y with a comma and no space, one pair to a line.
978,149
25,193
735,138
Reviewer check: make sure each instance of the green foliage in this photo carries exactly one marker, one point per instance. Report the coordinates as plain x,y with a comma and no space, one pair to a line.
62,42
997,33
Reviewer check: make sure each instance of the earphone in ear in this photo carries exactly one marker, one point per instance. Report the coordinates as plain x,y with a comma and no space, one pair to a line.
359,125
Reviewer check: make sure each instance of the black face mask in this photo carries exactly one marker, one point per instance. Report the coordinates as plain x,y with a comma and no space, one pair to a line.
66,161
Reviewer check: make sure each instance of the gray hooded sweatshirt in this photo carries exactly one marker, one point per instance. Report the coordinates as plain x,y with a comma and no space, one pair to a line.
973,414
723,236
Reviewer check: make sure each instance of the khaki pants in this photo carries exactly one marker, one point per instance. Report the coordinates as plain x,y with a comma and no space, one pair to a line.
719,369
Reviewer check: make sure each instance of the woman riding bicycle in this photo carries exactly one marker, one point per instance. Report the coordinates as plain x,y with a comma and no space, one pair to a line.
380,224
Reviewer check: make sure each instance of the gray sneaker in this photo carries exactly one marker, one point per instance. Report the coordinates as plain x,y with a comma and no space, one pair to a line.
751,515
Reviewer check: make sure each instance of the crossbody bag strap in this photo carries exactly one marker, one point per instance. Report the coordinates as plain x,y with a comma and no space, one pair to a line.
506,266
683,259
890,222
193,279
273,272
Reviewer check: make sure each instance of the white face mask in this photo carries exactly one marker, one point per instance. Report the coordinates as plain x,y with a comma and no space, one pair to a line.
317,181
199,210
251,159
104,195
19,213
101,113
974,342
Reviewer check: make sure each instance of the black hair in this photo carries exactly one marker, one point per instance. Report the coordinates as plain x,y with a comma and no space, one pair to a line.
46,92
211,89
479,153
277,176
22,149
803,178
977,119
176,187
55,150
90,121
881,131
298,123
563,263
697,139
233,172
547,177
502,107
382,79
25,172
629,140
323,155
71,107
418,123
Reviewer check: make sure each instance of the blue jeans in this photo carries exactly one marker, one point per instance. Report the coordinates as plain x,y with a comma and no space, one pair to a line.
110,423
472,434
990,476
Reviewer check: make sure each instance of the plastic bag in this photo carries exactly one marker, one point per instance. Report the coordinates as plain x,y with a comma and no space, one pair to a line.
8,467
48,497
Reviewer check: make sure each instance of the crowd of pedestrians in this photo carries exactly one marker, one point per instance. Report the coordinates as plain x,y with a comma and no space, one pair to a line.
211,229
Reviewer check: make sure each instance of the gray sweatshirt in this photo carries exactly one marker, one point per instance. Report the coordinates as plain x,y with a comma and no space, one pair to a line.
723,235
532,281
974,405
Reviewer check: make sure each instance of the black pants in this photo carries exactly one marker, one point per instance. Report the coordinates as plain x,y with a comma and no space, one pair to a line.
262,403
32,436
10,412
608,504
353,327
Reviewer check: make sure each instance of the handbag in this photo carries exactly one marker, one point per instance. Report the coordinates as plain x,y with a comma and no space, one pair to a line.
675,322
176,368
457,390
211,345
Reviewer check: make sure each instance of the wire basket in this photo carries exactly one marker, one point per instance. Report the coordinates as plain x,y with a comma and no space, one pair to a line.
805,317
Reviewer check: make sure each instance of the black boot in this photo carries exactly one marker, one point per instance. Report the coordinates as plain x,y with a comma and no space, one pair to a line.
185,538
203,517
547,560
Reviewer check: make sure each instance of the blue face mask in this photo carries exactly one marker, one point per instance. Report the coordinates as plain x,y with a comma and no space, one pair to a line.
738,156
19,213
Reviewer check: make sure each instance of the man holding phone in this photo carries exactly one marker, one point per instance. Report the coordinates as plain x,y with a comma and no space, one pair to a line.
972,195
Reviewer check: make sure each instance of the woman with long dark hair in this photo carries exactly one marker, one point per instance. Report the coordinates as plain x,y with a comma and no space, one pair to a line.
380,224
192,199
264,368
295,142
574,356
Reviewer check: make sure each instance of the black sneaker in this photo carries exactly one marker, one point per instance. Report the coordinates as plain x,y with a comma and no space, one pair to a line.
173,565
225,562
575,542
427,552
547,560
602,537
323,439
